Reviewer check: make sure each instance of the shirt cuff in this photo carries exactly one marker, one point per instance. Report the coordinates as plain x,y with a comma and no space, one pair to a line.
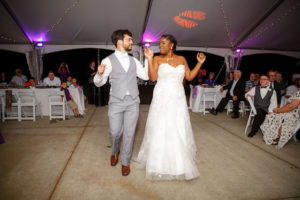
98,79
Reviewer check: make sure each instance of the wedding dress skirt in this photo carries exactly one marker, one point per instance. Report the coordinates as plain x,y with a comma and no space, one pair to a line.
168,150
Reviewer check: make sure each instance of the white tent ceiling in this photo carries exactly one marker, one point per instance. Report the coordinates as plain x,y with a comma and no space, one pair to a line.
215,26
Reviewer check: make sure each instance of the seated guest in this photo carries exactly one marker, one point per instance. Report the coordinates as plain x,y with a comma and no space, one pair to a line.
257,77
292,89
273,83
281,83
3,79
199,79
51,80
229,78
31,82
69,81
211,81
280,126
252,82
294,77
235,92
76,85
74,82
71,103
265,100
19,79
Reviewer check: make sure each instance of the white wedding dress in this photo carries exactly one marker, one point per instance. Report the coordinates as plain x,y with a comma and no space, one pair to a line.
168,150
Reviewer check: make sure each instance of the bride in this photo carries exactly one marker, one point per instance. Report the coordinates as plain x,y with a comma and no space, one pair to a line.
168,150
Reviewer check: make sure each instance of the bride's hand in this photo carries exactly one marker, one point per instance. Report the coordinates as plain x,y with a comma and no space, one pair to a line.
201,57
148,53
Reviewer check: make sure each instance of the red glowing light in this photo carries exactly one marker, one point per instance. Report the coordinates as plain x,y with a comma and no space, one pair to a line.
194,16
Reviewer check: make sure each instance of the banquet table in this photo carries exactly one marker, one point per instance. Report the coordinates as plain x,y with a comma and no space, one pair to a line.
196,97
41,95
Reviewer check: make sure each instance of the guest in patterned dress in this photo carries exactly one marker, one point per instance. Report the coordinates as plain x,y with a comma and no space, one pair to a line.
280,126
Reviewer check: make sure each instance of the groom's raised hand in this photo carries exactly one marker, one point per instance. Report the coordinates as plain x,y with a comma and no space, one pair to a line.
148,53
101,69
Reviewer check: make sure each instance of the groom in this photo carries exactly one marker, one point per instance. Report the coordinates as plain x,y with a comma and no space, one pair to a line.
123,110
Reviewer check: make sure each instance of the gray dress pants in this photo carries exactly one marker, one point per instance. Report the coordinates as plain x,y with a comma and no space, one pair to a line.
123,115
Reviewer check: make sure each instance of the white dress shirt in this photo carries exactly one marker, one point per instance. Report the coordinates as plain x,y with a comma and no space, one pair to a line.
263,92
54,82
19,80
233,86
141,72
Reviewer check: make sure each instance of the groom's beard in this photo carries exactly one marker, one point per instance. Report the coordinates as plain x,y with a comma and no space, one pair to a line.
128,48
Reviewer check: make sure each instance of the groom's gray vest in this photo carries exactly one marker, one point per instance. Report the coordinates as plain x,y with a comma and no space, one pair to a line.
122,81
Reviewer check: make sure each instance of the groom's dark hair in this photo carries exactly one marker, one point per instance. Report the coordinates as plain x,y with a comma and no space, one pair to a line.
119,35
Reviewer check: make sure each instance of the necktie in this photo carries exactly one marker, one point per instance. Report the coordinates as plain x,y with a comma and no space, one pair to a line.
263,86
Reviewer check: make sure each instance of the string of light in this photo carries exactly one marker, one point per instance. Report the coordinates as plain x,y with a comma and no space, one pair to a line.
226,23
66,12
2,37
274,23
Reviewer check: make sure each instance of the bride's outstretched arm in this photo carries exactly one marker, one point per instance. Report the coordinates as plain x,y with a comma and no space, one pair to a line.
153,68
191,74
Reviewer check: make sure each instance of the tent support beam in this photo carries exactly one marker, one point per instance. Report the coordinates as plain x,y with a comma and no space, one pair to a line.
14,17
262,19
146,18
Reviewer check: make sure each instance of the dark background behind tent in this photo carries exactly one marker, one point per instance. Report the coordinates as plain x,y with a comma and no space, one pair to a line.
79,59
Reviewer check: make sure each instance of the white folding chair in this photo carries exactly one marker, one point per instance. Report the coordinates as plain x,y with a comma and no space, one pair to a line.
14,112
57,105
209,95
28,105
252,113
242,107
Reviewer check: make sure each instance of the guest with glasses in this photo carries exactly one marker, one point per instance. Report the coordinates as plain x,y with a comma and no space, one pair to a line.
19,79
252,82
265,101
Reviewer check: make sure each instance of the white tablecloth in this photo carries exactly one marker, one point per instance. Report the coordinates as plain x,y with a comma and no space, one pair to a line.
42,98
196,96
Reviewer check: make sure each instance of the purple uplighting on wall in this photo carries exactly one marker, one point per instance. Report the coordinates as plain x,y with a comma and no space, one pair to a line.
149,38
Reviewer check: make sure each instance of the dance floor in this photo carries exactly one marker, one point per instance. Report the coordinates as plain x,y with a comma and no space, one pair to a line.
70,160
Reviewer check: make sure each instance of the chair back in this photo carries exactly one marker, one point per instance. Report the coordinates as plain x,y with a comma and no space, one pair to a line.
209,94
253,109
27,96
56,96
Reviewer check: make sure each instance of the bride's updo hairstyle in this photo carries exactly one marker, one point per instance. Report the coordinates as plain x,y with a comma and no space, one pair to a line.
172,39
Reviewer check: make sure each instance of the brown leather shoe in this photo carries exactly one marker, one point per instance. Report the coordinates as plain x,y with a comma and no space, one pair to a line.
125,170
114,159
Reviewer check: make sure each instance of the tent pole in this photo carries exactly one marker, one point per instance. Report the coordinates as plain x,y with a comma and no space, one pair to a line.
261,20
98,57
220,71
146,17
